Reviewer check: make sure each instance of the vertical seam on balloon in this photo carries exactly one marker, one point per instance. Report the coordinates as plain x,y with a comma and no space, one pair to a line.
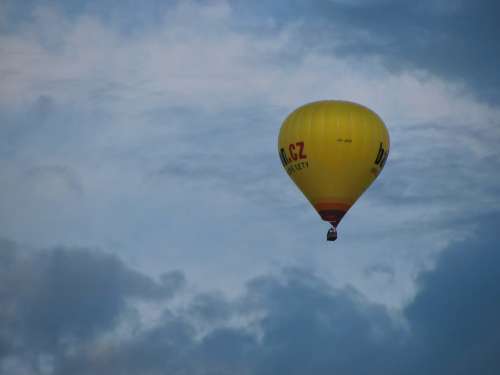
372,130
338,154
331,181
311,150
363,135
321,112
351,154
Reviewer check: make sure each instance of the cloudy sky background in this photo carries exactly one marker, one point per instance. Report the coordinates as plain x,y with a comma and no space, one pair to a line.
148,227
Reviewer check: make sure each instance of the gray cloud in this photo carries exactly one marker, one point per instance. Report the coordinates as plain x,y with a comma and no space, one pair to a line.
212,165
206,123
448,167
55,298
455,41
453,317
307,327
292,323
452,39
235,153
67,176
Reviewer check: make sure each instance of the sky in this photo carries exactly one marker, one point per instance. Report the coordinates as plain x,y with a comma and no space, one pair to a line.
147,225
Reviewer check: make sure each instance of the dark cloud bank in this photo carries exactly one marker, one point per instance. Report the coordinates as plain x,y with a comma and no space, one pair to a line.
57,304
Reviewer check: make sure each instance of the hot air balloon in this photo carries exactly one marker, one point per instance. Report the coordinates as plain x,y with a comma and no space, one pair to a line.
333,150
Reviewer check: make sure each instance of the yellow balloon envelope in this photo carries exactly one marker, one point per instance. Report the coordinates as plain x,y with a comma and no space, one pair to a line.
333,150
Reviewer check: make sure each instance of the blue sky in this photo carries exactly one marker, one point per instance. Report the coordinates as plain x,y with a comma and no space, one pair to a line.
148,227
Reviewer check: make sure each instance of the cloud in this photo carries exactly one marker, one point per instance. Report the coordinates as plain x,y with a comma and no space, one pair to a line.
450,39
292,322
56,299
156,140
457,305
163,138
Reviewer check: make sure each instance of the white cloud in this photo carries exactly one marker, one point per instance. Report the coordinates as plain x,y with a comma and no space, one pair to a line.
199,59
199,88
